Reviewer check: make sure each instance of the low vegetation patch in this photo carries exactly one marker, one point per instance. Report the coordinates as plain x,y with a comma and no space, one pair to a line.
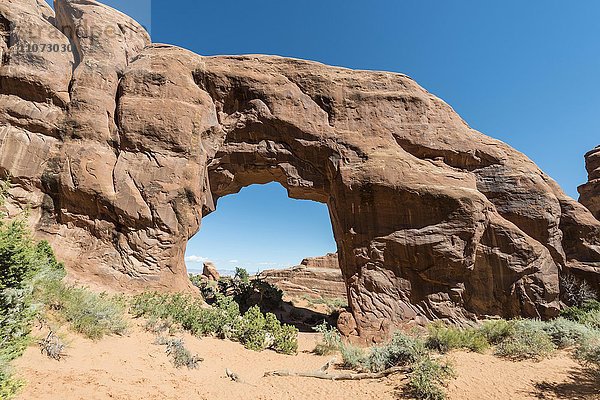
52,346
427,377
516,340
444,338
91,314
31,286
254,329
331,342
528,340
180,356
589,351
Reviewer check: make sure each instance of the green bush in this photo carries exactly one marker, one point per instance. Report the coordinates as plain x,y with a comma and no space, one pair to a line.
401,350
566,333
251,330
496,331
353,356
331,339
527,341
248,293
91,314
444,338
180,356
285,337
255,330
577,313
429,378
589,350
9,386
21,262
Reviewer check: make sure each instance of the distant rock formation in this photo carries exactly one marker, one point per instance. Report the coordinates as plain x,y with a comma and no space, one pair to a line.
118,147
210,271
316,277
590,192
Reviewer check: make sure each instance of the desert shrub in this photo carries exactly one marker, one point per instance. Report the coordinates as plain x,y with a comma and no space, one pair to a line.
576,291
429,378
589,350
183,309
496,331
91,314
331,341
9,386
591,320
285,337
566,333
258,331
576,313
527,341
444,338
52,346
353,356
180,356
401,350
197,280
208,288
253,329
22,260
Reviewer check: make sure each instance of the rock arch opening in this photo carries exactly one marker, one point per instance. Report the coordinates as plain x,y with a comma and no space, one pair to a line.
260,228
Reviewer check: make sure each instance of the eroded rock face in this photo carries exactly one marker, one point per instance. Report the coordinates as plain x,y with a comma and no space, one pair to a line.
121,146
210,271
315,277
590,192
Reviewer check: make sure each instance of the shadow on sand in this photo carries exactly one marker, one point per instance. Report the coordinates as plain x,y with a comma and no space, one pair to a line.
302,318
582,383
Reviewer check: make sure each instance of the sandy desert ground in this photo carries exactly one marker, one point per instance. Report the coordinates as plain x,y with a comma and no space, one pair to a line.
132,367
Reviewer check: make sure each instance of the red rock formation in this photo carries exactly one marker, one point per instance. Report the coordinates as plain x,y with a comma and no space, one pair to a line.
590,192
120,147
210,271
315,276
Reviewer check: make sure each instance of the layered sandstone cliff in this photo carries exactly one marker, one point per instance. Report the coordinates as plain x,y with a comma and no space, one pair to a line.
119,147
315,276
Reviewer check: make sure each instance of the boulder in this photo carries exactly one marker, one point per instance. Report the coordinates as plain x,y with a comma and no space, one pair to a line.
119,147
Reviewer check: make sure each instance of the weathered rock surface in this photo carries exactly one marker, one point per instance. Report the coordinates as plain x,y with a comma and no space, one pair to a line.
315,276
121,146
210,271
590,192
329,261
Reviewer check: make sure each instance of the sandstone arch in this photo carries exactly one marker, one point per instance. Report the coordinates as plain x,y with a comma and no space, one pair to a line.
432,218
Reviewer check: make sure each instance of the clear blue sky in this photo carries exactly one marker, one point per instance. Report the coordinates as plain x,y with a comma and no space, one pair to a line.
525,72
